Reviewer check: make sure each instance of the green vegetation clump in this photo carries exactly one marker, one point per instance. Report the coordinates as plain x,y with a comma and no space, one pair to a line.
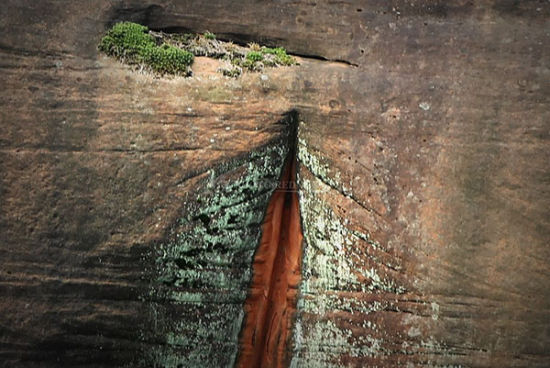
167,59
281,57
132,43
209,35
254,56
164,53
252,61
260,57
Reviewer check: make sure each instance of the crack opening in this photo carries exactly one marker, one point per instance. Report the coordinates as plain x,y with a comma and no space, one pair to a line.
271,304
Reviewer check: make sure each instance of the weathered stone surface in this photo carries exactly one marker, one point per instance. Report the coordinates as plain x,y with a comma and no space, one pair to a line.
423,174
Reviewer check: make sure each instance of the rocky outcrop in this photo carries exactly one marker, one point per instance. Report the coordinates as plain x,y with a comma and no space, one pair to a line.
422,175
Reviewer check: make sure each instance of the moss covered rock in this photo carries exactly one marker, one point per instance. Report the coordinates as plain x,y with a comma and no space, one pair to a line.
132,43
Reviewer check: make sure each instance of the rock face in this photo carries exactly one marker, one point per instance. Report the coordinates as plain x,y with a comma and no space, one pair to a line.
132,206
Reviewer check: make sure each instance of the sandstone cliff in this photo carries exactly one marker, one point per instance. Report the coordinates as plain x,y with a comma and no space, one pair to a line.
132,206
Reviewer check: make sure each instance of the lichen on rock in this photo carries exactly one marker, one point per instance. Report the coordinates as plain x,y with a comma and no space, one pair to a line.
332,275
204,267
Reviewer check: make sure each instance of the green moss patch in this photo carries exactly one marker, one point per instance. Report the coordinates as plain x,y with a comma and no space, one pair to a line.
133,44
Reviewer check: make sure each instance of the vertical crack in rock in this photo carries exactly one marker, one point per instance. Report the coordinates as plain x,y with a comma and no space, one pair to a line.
203,269
271,304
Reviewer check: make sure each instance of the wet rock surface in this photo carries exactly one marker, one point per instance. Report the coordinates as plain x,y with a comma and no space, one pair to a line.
422,171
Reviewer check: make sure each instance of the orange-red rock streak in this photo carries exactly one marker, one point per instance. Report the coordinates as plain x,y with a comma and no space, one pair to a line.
271,303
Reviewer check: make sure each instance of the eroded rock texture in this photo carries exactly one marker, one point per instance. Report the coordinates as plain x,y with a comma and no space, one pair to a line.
422,167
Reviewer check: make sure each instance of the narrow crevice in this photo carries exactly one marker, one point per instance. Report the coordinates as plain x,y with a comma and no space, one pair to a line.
322,58
271,304
245,39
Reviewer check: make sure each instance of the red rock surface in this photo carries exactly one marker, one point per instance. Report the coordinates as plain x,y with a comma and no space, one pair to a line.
422,167
271,306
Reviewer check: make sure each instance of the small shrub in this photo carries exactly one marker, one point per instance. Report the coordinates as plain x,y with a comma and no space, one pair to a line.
209,35
125,41
281,57
254,56
167,59
269,50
